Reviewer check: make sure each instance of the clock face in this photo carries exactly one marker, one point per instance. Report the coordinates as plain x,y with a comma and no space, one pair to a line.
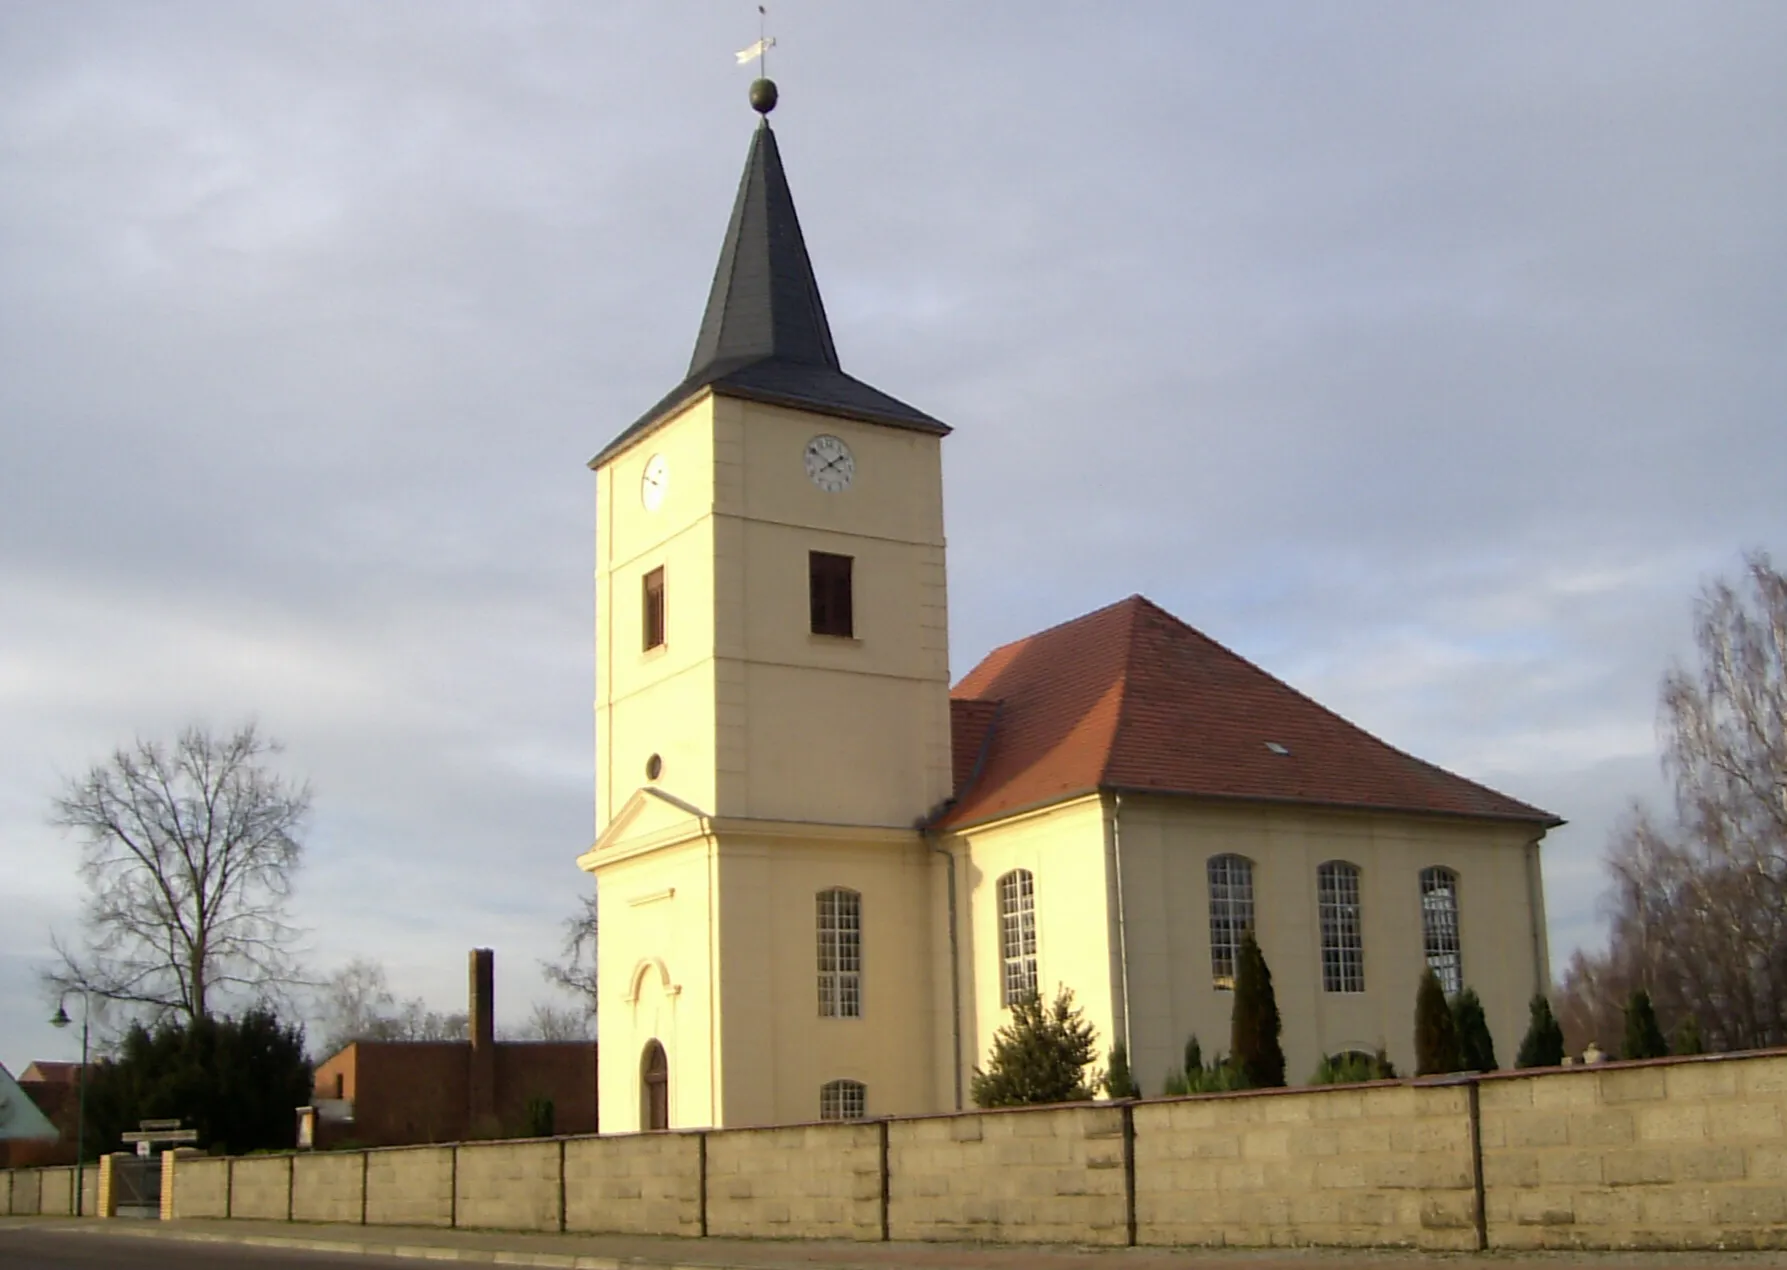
653,483
830,463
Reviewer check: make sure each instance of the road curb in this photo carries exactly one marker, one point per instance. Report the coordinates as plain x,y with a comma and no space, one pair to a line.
411,1252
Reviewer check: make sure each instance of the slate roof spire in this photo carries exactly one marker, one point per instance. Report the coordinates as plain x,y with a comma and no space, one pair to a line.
764,335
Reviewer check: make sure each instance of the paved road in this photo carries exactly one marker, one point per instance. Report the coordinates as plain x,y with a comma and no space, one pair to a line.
29,1248
64,1244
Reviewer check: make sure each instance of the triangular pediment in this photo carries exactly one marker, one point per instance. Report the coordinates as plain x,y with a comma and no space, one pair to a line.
650,818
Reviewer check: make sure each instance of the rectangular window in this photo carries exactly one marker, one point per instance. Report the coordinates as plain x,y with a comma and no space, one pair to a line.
1439,928
654,609
840,954
843,1100
1231,914
1343,938
1017,935
828,579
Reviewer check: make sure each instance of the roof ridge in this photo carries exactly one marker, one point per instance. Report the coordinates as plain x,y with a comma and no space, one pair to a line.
1329,711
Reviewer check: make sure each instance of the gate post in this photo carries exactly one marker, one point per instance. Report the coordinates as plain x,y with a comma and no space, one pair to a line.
106,1205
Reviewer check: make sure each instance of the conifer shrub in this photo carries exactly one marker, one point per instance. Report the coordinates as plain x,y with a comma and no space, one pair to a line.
1644,1038
1543,1044
1040,1056
1476,1048
1353,1068
1687,1037
1254,1025
1118,1082
1218,1077
1436,1034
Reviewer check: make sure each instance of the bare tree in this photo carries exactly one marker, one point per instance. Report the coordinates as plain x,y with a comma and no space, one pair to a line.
187,854
576,970
356,1004
1699,906
554,1023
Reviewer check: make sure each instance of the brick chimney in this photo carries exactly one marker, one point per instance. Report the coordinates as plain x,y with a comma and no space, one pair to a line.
481,1025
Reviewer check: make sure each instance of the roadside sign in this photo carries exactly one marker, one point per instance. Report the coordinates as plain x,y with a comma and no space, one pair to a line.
158,1124
162,1135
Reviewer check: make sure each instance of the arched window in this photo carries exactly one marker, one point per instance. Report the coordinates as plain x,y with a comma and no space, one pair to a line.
1439,927
1231,914
1343,940
840,954
654,1088
1017,935
843,1100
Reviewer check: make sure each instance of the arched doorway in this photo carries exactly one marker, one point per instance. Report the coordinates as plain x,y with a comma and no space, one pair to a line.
654,1088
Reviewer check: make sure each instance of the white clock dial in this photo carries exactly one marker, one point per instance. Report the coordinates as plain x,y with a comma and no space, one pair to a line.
653,483
830,463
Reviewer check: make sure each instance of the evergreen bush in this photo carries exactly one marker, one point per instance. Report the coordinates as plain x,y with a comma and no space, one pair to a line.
1644,1038
1687,1037
1040,1056
1436,1034
1254,1025
1475,1046
1543,1045
1118,1082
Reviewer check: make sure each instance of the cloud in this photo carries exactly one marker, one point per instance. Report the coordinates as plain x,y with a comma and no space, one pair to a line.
1428,358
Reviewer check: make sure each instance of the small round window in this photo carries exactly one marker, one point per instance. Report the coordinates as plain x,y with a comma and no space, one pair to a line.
654,767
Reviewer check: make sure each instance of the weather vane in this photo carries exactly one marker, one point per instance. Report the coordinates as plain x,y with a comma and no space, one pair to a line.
763,89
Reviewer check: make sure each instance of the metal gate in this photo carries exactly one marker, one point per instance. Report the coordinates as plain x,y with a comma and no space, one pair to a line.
136,1185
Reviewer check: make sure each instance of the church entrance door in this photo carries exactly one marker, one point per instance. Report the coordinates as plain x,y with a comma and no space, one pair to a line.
655,1090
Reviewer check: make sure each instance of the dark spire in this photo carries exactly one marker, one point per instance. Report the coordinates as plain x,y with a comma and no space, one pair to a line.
764,335
765,301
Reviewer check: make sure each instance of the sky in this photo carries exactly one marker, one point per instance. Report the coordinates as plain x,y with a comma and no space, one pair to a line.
1428,356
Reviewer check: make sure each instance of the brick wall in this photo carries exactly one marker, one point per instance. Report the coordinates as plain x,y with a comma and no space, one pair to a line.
1049,1175
410,1186
327,1187
509,1185
1686,1154
564,1071
261,1187
201,1187
806,1182
1389,1164
636,1184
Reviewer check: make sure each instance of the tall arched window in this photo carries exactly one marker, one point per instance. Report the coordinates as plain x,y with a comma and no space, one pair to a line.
840,954
1017,935
1439,927
843,1100
1343,939
654,1088
1231,914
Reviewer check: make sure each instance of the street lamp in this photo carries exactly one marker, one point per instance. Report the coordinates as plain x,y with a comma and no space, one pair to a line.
80,1115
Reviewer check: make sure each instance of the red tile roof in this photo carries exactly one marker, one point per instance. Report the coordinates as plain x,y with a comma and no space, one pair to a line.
1130,698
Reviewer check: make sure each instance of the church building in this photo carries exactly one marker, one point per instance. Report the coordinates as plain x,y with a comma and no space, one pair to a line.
823,875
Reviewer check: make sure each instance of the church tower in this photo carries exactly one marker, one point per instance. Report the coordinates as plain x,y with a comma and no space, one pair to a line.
772,713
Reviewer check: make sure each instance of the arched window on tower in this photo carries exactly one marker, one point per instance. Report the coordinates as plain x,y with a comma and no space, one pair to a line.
654,1088
1231,914
843,1100
1343,937
840,954
1439,927
1017,935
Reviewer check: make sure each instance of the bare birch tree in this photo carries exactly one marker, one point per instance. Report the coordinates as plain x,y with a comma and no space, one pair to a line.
187,855
1699,906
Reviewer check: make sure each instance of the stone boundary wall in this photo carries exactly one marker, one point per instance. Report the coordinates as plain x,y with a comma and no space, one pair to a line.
1684,1153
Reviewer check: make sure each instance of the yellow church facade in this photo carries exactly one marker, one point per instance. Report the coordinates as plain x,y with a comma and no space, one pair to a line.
822,873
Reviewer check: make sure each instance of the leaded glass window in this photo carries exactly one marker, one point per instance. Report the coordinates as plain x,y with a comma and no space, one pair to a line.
1017,935
1343,939
1231,914
1439,927
840,954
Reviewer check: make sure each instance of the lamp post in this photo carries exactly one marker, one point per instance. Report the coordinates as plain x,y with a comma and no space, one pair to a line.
80,1114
